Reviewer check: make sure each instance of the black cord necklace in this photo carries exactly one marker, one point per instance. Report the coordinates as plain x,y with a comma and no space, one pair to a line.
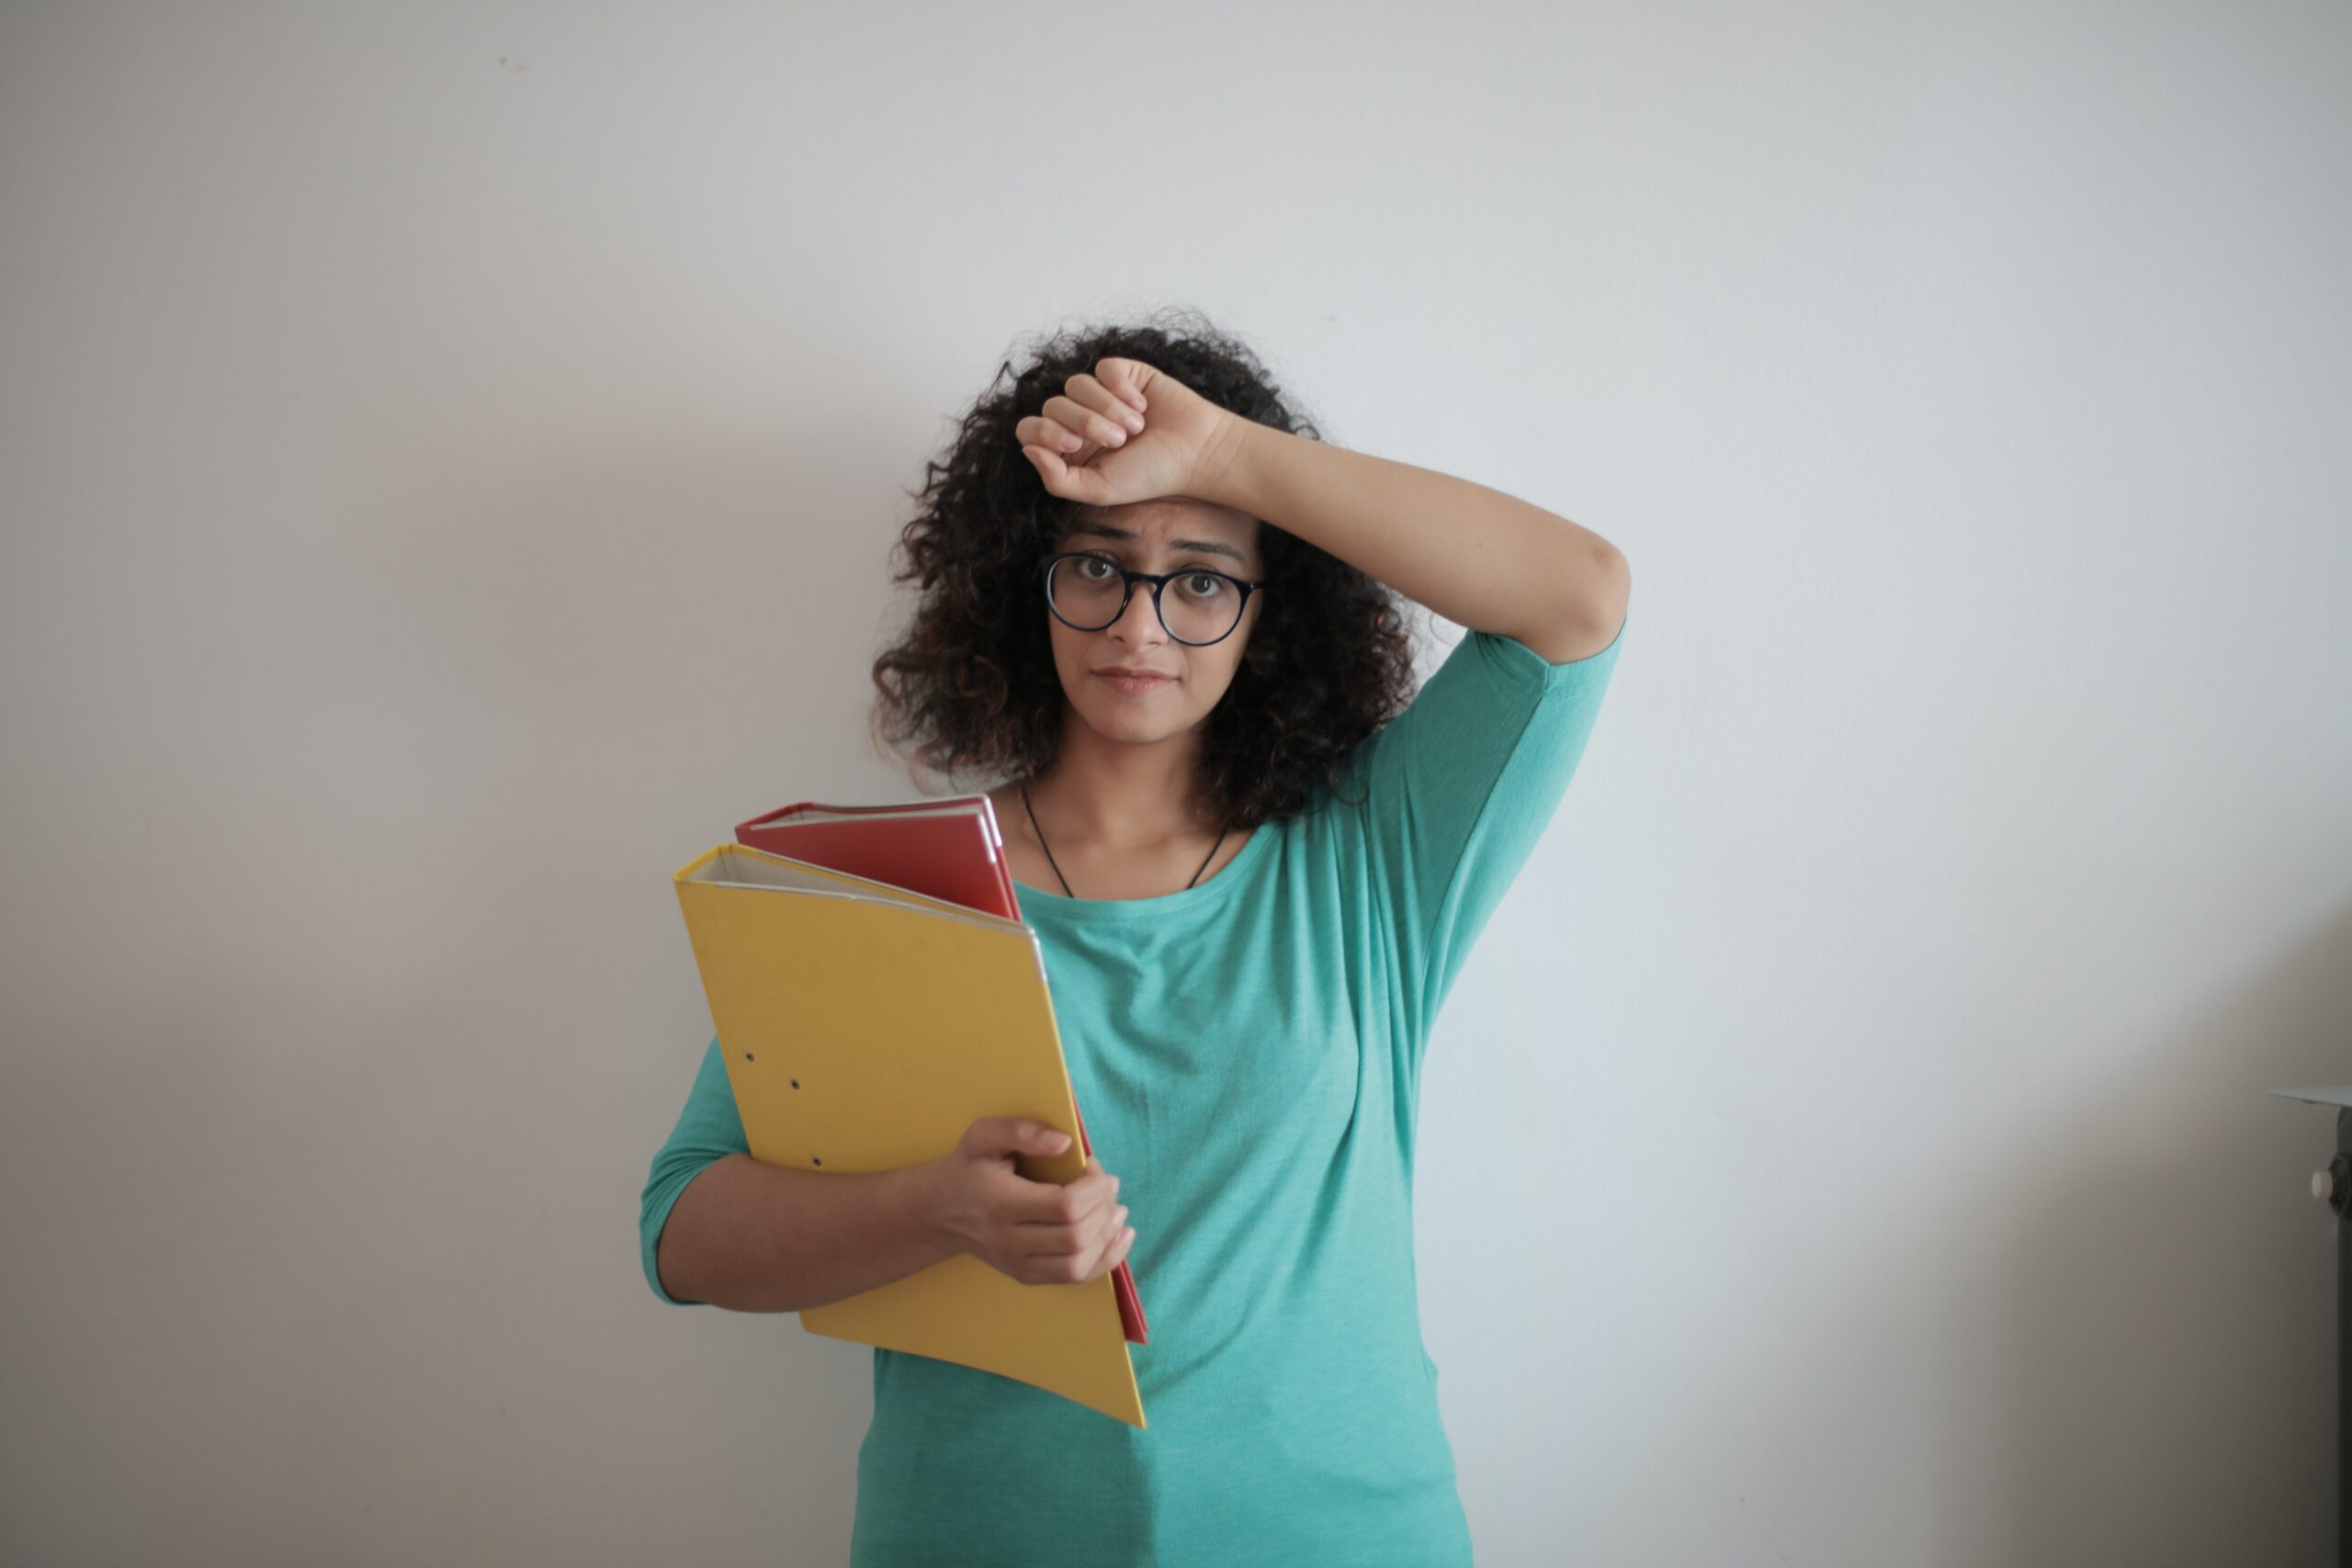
1056,864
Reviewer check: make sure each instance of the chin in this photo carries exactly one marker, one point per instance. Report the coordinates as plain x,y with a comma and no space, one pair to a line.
1122,720
1131,727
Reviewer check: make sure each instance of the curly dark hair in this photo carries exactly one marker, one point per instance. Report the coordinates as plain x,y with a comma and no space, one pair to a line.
971,683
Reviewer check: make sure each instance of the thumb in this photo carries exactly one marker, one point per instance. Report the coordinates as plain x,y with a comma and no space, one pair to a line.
1043,1139
1083,484
1019,1135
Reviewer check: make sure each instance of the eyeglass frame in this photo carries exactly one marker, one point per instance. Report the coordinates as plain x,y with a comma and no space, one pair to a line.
1159,580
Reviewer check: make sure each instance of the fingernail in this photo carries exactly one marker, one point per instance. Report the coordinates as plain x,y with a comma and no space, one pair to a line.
1134,422
1121,1217
1118,437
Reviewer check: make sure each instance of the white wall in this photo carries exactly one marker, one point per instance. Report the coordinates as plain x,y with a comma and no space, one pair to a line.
447,457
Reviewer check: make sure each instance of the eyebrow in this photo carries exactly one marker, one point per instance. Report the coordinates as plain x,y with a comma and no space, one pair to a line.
1206,546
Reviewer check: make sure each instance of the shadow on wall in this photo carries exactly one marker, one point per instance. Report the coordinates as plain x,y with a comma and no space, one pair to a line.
2169,1323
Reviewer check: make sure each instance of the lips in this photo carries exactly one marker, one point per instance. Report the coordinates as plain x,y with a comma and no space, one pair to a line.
1134,685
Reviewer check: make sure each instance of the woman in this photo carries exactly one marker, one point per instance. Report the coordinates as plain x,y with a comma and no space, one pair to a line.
1165,614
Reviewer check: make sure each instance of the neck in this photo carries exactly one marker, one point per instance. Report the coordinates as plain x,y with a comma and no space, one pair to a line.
1116,795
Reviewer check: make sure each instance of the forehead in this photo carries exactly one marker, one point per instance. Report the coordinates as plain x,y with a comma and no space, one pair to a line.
1173,527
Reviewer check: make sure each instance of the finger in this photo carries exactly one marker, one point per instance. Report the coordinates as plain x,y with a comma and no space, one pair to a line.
1080,1247
1039,431
1122,1242
1105,400
1053,1201
1100,428
1073,452
1076,1204
1058,1244
1105,1235
1125,376
1083,485
1098,1230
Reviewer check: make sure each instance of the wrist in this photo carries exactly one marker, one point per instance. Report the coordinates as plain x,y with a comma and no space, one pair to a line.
924,1204
1226,474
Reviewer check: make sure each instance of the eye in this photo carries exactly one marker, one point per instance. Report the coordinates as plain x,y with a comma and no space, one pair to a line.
1087,566
1202,584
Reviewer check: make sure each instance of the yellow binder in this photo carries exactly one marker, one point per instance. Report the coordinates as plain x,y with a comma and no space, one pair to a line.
865,1027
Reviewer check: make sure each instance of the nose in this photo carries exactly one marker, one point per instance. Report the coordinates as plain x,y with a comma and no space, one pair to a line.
1141,620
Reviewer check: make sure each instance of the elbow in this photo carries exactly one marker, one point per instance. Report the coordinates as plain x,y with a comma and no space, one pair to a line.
1597,599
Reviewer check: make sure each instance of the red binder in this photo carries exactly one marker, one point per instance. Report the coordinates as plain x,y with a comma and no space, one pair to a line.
949,848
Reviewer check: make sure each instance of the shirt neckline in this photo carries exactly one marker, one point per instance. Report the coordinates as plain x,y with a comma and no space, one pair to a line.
1098,911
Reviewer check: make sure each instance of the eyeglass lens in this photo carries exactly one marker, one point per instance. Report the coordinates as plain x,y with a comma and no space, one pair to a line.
1195,606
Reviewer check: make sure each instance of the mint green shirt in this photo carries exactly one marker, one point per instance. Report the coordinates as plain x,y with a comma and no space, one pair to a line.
1247,1055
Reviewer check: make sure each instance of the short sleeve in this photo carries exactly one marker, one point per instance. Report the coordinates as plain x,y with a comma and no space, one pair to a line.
710,1128
1456,790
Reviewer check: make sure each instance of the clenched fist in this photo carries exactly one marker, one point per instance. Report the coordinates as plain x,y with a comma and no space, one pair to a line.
1039,1233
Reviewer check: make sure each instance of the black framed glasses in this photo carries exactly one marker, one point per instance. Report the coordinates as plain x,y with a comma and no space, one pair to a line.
1087,590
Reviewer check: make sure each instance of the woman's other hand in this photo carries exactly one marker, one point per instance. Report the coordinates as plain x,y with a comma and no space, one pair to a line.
1039,1233
1126,433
